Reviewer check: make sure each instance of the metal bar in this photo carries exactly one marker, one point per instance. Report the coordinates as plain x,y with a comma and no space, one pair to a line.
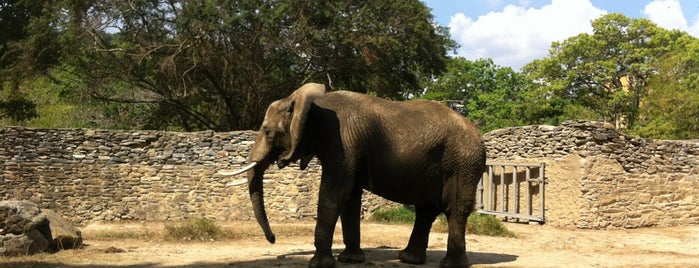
516,190
491,188
542,191
504,189
513,215
491,185
513,164
528,178
479,204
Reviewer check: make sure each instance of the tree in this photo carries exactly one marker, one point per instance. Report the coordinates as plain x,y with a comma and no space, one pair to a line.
25,48
491,94
602,75
671,110
218,64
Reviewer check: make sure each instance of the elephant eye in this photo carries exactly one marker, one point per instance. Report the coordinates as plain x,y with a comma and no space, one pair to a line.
268,133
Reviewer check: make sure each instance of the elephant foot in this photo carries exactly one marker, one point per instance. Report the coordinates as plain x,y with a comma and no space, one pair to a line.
351,256
412,256
322,261
455,261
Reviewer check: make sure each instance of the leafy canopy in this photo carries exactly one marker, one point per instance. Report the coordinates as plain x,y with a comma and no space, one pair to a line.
491,95
191,65
628,72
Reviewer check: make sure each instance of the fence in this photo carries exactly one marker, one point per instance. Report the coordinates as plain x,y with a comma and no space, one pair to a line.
500,190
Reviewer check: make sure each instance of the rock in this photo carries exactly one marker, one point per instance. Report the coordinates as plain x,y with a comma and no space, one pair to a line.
26,229
24,244
600,137
18,216
64,234
652,170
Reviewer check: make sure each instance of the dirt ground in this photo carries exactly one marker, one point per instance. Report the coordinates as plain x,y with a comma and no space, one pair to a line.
536,246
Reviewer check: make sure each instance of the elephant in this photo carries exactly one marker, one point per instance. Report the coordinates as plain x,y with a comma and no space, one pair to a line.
416,152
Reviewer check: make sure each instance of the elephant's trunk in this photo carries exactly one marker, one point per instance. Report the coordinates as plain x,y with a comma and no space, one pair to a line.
258,201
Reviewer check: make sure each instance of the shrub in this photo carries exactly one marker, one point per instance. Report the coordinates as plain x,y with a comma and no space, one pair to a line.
479,224
394,215
482,224
193,229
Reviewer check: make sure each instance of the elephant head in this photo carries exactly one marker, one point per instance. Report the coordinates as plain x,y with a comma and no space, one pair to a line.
279,139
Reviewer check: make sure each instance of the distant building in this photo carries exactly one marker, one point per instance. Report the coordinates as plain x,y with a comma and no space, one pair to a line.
456,105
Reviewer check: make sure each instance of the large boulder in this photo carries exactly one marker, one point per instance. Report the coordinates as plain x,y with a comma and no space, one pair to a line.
27,229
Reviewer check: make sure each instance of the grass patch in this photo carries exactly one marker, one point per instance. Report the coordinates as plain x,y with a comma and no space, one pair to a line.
483,224
198,229
479,224
394,215
131,234
202,229
194,229
143,232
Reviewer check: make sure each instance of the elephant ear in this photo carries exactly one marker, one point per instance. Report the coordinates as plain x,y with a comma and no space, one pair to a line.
301,100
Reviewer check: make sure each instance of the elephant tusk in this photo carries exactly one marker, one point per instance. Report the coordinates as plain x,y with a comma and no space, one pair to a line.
245,168
237,182
242,181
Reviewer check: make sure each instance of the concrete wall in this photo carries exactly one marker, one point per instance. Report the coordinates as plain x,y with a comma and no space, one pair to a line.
596,177
600,178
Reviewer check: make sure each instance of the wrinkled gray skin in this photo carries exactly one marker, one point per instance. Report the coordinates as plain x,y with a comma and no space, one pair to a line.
414,152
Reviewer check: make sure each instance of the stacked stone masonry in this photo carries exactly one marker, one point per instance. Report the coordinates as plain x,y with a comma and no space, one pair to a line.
110,175
600,178
596,176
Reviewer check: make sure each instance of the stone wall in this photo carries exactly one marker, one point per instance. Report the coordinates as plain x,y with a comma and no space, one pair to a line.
111,175
596,176
600,178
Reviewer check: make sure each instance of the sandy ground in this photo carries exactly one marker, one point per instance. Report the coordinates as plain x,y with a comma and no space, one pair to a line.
536,246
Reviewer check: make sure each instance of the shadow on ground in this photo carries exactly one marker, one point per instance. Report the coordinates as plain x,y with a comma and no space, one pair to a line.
378,257
375,257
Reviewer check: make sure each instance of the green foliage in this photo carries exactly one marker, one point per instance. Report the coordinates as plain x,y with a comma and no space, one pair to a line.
17,109
57,99
29,45
629,72
394,215
192,65
491,95
478,224
671,110
56,106
603,75
482,224
194,229
217,65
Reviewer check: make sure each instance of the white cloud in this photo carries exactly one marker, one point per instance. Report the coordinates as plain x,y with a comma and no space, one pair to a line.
517,35
668,14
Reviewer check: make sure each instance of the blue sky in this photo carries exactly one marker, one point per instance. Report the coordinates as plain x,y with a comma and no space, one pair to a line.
515,32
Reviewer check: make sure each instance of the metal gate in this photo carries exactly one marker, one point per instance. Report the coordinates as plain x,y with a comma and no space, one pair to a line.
501,189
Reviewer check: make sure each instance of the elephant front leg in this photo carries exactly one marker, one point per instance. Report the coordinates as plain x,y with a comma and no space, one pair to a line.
328,212
350,229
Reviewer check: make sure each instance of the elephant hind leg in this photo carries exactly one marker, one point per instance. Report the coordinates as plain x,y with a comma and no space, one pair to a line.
457,218
456,241
415,252
350,229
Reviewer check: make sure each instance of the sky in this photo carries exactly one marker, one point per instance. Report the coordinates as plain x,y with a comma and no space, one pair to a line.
516,32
